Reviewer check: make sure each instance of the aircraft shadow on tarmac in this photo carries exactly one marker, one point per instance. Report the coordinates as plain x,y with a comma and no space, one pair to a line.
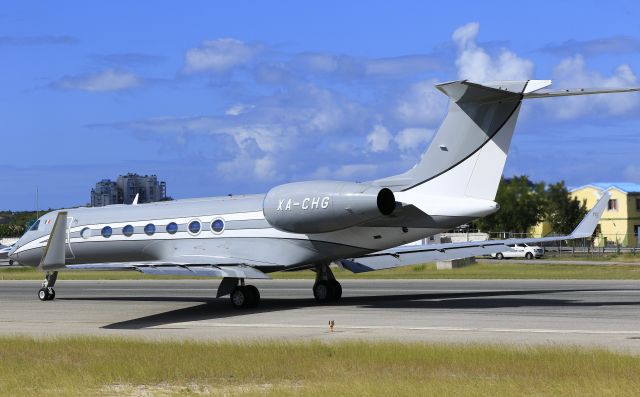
212,308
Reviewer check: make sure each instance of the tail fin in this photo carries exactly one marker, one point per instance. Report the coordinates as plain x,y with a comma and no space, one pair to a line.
467,155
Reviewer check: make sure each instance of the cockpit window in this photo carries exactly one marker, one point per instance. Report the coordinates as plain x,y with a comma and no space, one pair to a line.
35,225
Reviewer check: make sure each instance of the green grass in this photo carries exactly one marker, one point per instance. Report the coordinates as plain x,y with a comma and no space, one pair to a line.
501,270
81,366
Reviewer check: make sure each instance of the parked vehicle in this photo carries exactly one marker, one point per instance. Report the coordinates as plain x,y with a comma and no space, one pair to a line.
521,251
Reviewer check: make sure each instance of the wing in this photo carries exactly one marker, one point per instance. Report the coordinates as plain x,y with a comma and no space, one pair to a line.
411,255
214,267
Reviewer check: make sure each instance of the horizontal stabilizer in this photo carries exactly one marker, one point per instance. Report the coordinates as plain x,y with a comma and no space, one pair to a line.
580,91
412,255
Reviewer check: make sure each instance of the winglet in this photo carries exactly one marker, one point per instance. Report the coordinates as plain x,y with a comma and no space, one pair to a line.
135,199
588,224
54,252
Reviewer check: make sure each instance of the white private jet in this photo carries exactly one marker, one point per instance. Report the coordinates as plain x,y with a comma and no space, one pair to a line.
309,225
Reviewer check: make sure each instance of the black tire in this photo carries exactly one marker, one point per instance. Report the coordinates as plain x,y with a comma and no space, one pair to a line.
336,290
499,256
239,298
52,294
43,294
322,291
528,255
253,294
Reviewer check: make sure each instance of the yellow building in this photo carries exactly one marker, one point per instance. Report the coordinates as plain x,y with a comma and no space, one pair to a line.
620,223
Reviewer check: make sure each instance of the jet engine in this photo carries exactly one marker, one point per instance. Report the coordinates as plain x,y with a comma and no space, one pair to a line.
325,206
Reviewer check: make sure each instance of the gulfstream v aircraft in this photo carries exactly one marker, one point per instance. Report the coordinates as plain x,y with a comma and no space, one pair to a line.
309,225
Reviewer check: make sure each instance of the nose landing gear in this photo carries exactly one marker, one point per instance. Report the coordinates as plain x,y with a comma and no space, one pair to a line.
47,293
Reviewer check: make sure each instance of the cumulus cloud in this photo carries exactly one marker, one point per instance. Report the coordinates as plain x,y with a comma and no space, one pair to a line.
572,72
378,139
474,63
355,171
413,138
218,55
108,80
420,104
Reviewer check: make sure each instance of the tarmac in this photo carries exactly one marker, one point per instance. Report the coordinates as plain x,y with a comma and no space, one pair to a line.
506,312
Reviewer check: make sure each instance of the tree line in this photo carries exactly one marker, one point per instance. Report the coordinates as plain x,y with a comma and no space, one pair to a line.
524,204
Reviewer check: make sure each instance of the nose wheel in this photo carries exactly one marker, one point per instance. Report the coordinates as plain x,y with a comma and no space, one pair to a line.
47,293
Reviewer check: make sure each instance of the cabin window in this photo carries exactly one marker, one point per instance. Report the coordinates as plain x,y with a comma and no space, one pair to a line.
194,227
217,226
150,229
85,233
127,230
172,228
106,232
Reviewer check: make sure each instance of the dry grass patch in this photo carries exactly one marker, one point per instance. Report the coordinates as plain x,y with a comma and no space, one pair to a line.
112,366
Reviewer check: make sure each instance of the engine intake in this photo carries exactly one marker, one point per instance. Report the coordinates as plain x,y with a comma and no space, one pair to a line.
325,206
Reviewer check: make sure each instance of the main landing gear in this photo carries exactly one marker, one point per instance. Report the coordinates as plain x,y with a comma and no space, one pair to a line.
47,293
242,296
326,288
245,296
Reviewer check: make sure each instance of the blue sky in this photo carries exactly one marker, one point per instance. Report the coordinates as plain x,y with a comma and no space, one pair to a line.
236,97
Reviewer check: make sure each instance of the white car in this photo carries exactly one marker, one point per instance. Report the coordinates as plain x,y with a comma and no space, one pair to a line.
521,251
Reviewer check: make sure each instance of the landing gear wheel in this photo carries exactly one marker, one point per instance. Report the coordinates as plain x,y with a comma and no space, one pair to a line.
499,256
254,294
43,294
327,290
321,291
243,297
529,255
52,294
336,292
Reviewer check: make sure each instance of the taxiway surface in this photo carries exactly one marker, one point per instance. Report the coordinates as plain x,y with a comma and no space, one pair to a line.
586,313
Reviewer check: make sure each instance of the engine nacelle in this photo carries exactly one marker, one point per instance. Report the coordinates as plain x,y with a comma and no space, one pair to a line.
325,206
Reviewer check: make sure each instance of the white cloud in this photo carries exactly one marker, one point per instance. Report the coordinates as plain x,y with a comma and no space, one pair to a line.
412,138
355,171
238,109
218,55
475,64
422,104
573,73
378,140
108,80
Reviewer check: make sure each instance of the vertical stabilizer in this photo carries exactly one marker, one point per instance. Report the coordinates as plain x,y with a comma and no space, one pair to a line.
467,155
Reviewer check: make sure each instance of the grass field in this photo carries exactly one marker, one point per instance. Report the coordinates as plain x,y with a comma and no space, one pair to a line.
502,270
95,366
